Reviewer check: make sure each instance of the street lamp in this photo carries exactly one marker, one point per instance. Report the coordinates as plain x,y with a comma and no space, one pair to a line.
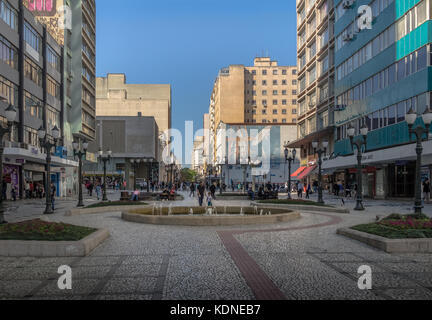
80,153
104,158
10,116
359,143
419,132
320,152
290,156
135,163
47,146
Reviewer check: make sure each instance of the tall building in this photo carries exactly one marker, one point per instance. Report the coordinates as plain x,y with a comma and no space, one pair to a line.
264,93
381,73
116,98
315,55
31,79
80,69
198,154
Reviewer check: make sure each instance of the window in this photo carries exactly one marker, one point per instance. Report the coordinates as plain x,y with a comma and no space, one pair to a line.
275,92
32,37
275,82
284,82
264,72
284,102
32,71
275,102
284,111
9,90
8,53
400,117
284,72
264,102
264,92
264,82
33,106
53,58
275,111
391,115
284,121
264,111
275,72
8,14
53,88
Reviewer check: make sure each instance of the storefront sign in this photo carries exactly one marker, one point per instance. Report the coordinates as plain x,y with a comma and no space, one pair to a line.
20,161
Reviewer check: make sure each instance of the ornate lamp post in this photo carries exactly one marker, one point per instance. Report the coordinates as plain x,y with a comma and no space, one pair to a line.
47,146
80,153
220,175
320,153
10,116
359,143
104,158
135,163
419,133
290,156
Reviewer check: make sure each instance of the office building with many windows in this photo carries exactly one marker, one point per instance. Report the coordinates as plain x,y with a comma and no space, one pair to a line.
315,55
31,80
381,73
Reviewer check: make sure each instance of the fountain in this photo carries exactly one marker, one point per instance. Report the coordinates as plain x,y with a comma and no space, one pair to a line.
225,210
256,210
241,212
154,208
261,212
170,210
160,209
191,212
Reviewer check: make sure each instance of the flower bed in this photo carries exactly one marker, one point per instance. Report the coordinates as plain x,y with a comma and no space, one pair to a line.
400,227
38,230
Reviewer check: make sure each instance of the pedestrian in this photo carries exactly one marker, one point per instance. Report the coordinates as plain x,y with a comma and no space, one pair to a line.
213,191
13,193
135,195
426,190
300,190
209,200
53,194
98,191
192,190
308,191
27,190
201,191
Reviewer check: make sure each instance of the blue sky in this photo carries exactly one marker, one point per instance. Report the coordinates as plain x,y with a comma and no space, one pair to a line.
185,43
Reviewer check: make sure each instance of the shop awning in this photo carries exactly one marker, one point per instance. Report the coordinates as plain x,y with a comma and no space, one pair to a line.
306,172
299,170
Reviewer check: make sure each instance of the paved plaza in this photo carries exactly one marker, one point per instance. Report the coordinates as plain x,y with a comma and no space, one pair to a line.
303,259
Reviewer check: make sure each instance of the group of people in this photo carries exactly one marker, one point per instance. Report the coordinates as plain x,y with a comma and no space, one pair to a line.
201,189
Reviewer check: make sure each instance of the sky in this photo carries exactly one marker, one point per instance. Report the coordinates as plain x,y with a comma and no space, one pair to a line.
186,42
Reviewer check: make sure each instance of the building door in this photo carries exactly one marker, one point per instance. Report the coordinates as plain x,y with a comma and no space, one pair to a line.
401,180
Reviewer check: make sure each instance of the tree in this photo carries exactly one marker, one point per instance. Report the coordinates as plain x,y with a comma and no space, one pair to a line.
188,175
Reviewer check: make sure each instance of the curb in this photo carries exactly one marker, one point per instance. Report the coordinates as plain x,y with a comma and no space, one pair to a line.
81,248
389,245
208,221
302,207
77,212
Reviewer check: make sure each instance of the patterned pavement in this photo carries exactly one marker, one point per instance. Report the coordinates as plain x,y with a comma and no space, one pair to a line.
299,260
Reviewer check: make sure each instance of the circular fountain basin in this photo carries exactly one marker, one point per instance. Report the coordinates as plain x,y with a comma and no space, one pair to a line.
219,216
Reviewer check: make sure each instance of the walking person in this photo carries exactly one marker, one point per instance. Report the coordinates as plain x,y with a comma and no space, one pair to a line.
300,190
308,191
53,194
192,190
209,200
426,191
213,191
201,191
98,191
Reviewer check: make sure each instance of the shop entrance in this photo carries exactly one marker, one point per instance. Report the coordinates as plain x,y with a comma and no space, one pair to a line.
401,179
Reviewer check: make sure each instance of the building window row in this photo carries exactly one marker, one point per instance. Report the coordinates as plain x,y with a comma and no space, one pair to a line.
387,116
53,58
53,87
32,71
8,53
398,71
9,90
8,14
377,7
32,38
33,106
371,49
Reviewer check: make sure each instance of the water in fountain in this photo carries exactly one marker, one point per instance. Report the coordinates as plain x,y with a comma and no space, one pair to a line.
191,211
241,211
261,212
154,208
225,210
209,211
160,209
256,210
170,209
215,211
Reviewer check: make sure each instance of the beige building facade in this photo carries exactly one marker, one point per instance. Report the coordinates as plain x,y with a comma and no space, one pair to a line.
115,97
264,93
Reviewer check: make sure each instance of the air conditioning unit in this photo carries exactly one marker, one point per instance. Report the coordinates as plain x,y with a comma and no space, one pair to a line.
347,37
347,4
